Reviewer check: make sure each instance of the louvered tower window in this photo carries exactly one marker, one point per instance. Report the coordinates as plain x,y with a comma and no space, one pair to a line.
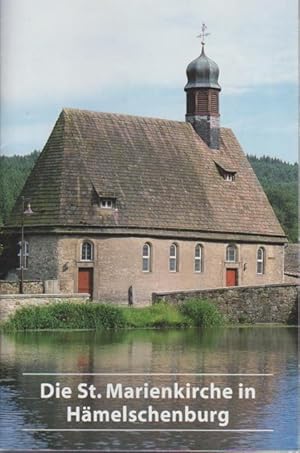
202,102
190,100
214,102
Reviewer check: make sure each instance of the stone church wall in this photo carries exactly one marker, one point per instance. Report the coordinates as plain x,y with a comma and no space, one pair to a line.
117,265
42,262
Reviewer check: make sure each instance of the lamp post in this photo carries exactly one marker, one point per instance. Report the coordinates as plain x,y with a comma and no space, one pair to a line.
27,211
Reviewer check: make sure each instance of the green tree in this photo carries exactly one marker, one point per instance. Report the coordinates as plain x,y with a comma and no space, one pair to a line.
280,183
13,173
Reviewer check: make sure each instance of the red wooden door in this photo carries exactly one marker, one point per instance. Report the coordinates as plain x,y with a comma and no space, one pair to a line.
85,280
231,277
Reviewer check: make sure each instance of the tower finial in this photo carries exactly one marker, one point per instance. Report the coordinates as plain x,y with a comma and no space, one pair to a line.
202,96
203,34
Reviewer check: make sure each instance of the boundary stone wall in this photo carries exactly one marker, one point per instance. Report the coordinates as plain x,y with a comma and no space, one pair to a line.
250,304
30,287
10,303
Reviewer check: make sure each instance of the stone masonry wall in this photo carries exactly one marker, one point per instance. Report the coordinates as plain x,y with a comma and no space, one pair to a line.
29,287
292,278
117,265
11,302
269,303
42,263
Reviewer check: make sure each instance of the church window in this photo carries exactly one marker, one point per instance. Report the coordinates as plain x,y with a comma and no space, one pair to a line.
228,176
87,251
107,203
23,262
226,173
173,258
147,257
198,264
260,261
231,254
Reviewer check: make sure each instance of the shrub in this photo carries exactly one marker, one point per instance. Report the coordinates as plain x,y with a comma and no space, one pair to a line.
67,315
108,316
202,313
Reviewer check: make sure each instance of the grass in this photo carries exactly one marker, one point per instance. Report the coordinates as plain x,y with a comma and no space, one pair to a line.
158,315
66,315
202,313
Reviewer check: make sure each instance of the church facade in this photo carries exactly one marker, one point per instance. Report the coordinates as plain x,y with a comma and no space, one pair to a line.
132,205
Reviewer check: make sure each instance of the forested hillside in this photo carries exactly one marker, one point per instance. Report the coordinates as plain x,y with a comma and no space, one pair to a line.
280,182
278,178
13,173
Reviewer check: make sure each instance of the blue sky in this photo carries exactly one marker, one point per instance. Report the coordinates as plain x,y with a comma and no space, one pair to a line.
130,57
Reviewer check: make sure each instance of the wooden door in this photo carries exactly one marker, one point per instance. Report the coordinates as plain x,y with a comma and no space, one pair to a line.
85,280
231,277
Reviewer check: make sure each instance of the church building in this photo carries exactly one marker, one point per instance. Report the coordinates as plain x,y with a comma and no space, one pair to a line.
126,203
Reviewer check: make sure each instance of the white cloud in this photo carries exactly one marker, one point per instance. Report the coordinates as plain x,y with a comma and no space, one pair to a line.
60,49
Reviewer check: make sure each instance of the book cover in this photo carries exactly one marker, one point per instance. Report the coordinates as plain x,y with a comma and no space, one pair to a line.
148,226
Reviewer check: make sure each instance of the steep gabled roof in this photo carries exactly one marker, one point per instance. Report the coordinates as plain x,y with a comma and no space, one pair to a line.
42,187
161,173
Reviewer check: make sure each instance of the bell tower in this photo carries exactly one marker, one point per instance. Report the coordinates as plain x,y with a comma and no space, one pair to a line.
202,96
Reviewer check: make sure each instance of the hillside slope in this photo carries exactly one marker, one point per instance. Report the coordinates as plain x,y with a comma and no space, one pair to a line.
280,182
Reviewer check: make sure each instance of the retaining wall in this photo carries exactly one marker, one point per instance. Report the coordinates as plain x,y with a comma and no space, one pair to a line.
250,304
9,303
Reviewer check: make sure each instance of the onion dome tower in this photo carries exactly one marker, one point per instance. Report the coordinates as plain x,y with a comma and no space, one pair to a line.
202,94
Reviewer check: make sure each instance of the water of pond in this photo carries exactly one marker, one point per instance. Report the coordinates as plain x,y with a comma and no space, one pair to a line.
247,350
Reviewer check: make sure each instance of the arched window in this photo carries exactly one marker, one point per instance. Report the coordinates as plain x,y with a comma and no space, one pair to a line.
198,261
87,251
23,263
231,253
147,257
260,261
173,258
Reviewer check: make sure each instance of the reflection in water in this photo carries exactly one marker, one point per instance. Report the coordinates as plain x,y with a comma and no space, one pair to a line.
228,350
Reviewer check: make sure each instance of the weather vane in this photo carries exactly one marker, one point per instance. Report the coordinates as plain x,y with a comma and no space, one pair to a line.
203,34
